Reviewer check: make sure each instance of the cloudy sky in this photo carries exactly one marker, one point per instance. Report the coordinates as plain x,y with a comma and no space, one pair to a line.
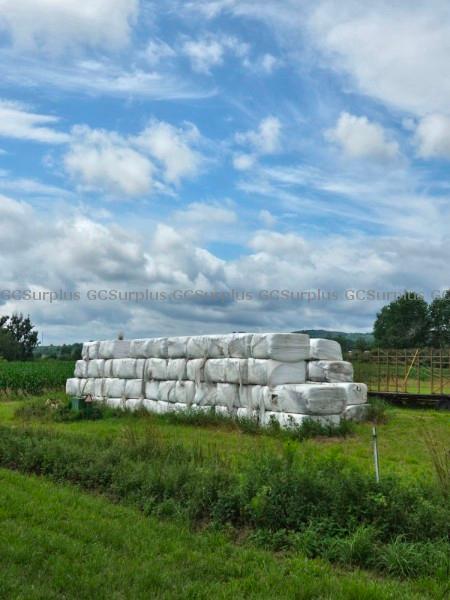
225,146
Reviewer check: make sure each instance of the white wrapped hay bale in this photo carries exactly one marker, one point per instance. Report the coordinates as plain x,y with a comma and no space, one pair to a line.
114,349
81,367
138,348
114,388
273,372
205,346
330,371
222,411
87,387
205,394
164,407
134,388
176,369
247,413
177,347
96,368
285,347
228,395
150,405
236,345
166,391
309,399
73,387
356,412
184,392
292,420
126,368
152,390
195,369
260,397
134,404
116,403
99,389
322,349
89,350
156,348
226,370
156,368
356,393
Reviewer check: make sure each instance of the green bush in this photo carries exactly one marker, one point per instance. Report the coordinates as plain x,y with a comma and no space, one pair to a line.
322,507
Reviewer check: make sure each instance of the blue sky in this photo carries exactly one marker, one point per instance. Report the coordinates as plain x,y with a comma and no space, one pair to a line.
221,145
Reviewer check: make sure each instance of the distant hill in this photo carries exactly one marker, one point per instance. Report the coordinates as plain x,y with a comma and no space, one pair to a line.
348,340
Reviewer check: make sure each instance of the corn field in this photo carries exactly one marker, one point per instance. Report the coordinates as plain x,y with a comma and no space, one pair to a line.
34,377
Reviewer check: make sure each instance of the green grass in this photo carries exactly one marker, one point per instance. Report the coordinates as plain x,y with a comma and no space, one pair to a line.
33,377
58,542
402,447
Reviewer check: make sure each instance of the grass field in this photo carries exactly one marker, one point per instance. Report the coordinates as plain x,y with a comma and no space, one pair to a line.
57,542
402,447
61,542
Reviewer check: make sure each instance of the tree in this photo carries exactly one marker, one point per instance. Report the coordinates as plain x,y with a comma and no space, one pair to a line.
440,321
9,348
22,331
404,323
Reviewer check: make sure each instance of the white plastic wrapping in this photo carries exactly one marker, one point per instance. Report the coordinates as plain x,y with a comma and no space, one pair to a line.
274,372
116,403
177,347
114,349
96,368
150,405
87,386
322,349
185,392
114,388
156,368
152,390
134,404
286,347
166,391
226,370
73,387
134,388
89,350
205,346
81,367
126,368
205,394
309,399
99,388
228,395
176,369
236,345
195,369
330,371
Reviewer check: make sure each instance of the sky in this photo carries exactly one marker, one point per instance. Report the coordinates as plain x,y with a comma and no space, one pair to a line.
201,166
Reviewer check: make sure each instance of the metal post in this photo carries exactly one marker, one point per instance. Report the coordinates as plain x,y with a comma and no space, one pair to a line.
375,454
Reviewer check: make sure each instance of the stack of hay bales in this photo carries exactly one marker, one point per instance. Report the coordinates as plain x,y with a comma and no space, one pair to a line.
282,376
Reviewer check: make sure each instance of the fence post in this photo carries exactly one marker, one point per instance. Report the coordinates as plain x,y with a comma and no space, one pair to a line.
375,454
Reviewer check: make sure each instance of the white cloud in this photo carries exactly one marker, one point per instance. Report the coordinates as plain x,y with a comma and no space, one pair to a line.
267,218
269,63
432,136
243,162
157,51
266,139
53,25
17,122
397,52
209,51
75,252
360,138
105,160
171,146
